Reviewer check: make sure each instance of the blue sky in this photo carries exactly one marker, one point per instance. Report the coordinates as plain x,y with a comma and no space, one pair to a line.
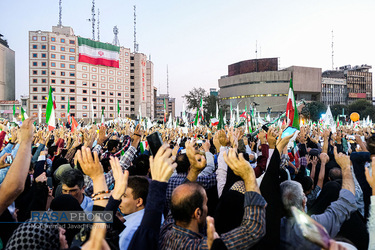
198,39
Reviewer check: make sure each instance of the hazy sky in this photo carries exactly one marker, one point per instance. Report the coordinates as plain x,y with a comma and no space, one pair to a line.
198,39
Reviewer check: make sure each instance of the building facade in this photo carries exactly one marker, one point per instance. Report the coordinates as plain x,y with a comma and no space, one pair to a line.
7,72
159,106
269,88
359,82
334,88
53,62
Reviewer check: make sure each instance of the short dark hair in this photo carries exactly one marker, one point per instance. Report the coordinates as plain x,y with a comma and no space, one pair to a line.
306,183
112,144
183,163
72,177
141,165
335,174
140,185
371,144
183,209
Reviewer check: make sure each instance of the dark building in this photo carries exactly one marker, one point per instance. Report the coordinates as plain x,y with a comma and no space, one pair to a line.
253,65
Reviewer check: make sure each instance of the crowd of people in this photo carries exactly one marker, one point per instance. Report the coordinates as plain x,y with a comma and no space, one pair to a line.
204,188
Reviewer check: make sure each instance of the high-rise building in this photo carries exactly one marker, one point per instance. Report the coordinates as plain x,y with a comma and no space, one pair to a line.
334,89
159,106
53,62
7,72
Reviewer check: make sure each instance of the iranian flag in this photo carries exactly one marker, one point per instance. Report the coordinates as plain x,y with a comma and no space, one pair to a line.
98,53
74,124
214,122
291,109
50,112
165,112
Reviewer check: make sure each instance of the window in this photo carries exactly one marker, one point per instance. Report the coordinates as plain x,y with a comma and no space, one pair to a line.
35,106
110,108
72,82
72,66
62,106
44,80
94,92
72,74
62,65
126,53
62,81
35,55
35,89
72,58
35,97
84,107
111,100
103,100
111,72
62,40
119,94
35,72
84,67
110,93
103,71
35,46
84,84
84,91
72,98
43,55
84,75
84,99
62,57
43,46
63,73
44,72
62,48
35,81
53,64
43,106
53,81
94,100
72,41
53,47
35,38
102,85
53,89
93,77
94,84
35,64
53,56
44,64
94,69
44,38
53,72
72,50
63,90
44,89
72,90
63,98
53,39
103,93
72,107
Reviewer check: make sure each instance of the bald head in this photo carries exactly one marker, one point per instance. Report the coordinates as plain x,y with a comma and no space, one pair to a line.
186,198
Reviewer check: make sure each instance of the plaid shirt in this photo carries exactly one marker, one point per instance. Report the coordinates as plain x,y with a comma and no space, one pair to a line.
125,162
251,230
207,181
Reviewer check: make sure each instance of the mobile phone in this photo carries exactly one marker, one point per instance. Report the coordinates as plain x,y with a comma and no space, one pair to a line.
265,128
311,230
9,159
155,142
288,131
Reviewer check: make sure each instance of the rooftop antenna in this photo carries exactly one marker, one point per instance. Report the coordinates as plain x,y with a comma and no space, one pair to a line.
167,82
93,19
256,49
135,32
60,13
98,25
332,51
115,39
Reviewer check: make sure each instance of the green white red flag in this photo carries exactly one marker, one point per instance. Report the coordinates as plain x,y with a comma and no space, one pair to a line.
291,109
50,112
98,53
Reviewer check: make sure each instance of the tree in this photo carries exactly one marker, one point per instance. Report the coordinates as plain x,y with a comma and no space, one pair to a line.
314,110
193,98
337,110
209,105
363,108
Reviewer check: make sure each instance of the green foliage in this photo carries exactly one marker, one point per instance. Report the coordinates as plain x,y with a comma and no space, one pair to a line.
194,96
363,108
314,110
337,110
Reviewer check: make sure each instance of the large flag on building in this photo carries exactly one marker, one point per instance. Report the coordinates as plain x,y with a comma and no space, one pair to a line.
50,112
98,53
291,109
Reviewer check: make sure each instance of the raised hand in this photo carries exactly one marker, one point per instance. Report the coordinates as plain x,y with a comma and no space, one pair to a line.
2,161
90,166
162,164
324,158
121,178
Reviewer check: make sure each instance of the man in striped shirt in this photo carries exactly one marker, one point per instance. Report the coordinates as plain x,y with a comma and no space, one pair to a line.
189,210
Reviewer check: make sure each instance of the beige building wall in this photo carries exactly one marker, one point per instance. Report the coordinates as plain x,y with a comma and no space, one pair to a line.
53,61
150,89
138,74
7,73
